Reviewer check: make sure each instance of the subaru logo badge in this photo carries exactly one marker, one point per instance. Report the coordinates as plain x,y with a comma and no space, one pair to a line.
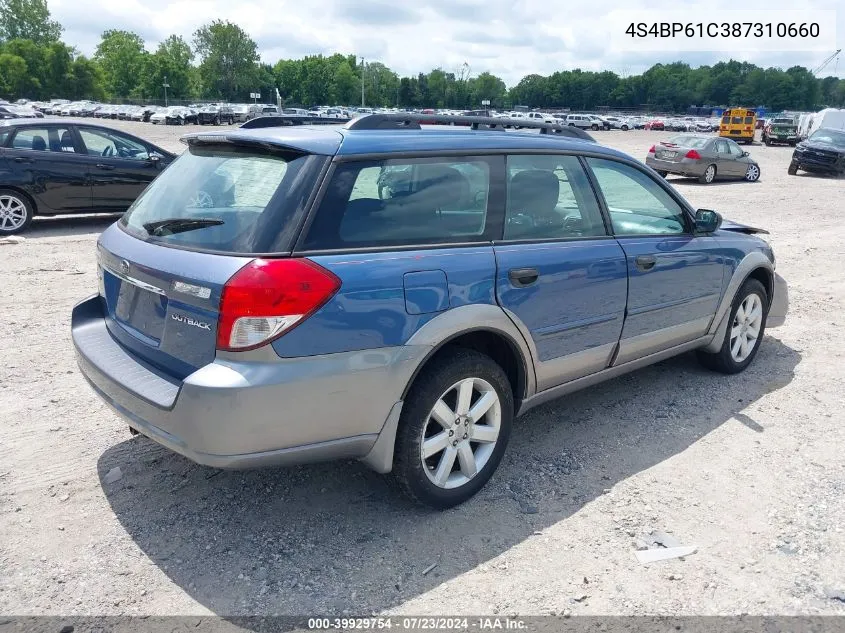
124,267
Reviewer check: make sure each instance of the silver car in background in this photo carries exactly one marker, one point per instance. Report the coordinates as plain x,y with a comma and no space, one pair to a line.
707,158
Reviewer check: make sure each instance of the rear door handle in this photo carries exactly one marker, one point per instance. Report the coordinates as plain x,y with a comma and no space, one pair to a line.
521,277
645,262
104,166
21,159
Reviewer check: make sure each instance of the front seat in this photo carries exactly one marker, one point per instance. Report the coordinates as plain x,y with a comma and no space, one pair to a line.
66,142
532,199
39,144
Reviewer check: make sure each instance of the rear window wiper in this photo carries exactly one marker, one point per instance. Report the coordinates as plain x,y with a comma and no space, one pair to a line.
179,225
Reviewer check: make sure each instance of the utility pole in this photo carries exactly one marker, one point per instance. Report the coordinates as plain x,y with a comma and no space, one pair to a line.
363,70
165,85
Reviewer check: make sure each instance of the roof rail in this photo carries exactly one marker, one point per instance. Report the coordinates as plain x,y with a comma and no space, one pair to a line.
412,121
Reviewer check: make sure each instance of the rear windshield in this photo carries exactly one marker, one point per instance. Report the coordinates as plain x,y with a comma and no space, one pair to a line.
226,198
696,142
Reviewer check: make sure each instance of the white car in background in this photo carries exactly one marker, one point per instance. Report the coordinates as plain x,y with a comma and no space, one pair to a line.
579,120
542,117
617,123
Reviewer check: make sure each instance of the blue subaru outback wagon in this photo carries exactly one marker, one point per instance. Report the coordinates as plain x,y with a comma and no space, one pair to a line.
398,295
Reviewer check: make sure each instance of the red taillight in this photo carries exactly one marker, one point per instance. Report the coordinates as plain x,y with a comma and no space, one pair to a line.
693,154
266,298
651,151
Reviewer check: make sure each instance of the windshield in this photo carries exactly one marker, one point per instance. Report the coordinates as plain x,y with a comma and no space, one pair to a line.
226,198
829,136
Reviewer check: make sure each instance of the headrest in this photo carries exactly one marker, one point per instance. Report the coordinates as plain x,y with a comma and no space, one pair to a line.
533,191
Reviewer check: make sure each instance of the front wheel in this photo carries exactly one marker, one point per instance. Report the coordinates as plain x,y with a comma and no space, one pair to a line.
792,169
16,212
746,325
594,127
454,429
624,128
752,174
709,175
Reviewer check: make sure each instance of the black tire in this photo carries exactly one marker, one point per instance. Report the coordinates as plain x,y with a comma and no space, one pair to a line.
792,169
662,174
624,128
594,127
722,361
706,178
748,173
441,373
216,120
18,201
766,141
792,143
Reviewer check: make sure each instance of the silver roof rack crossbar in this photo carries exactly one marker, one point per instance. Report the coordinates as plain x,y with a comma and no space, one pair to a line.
412,121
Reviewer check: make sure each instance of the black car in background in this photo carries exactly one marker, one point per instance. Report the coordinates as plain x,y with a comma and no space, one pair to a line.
215,115
53,167
823,152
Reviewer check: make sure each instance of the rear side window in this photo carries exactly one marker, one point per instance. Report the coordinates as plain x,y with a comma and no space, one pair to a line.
44,139
549,197
226,198
403,202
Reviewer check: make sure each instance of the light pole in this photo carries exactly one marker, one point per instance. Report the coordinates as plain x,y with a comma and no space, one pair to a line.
363,70
165,85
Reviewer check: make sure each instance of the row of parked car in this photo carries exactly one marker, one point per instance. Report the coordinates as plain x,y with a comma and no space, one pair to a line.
209,113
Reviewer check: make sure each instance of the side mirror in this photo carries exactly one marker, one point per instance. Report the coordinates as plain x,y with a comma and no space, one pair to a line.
707,221
155,158
745,154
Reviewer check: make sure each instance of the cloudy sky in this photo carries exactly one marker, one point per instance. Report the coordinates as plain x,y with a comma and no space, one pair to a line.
510,38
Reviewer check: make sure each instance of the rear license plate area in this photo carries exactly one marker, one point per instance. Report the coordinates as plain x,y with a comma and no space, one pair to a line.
666,155
140,311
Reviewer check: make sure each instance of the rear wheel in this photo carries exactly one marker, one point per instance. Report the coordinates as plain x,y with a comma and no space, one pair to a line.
594,127
792,169
16,212
709,175
662,174
624,128
454,429
746,325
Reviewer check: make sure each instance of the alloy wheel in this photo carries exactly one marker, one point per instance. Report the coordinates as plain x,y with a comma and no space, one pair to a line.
745,329
709,173
753,173
461,432
12,213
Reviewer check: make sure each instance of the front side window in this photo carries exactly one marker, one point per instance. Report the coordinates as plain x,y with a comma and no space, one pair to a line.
637,204
549,197
226,198
403,202
735,150
44,139
112,145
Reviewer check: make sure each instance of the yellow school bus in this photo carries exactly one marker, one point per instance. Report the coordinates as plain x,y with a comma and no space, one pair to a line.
738,124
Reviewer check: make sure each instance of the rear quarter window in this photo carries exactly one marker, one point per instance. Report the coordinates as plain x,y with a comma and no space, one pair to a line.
403,202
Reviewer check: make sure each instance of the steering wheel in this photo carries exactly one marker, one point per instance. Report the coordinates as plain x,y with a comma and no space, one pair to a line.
108,151
573,224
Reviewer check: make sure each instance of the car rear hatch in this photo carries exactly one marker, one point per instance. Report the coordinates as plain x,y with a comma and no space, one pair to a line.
164,265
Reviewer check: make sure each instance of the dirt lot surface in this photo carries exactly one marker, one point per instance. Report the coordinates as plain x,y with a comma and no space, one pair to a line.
748,468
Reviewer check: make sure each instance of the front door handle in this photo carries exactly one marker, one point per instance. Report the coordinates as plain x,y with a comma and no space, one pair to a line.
645,262
21,159
521,277
104,166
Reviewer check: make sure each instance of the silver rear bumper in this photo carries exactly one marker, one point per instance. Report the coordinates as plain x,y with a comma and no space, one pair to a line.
252,413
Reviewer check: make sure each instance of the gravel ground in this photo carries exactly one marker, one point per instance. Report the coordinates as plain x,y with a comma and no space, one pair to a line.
747,468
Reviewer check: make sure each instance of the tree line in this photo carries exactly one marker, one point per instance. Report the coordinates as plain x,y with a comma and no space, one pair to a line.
221,61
